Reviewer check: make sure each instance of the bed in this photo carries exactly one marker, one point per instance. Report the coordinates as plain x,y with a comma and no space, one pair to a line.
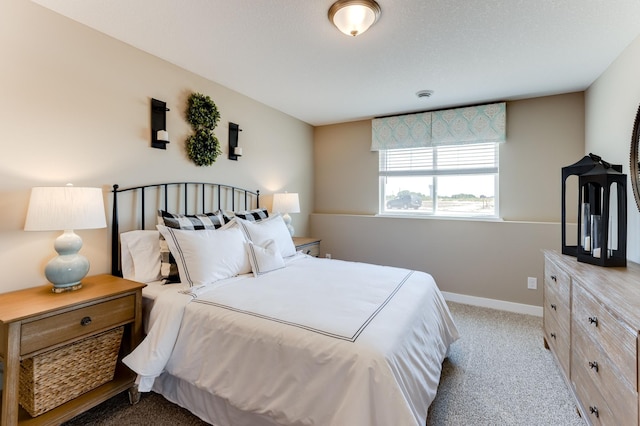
254,333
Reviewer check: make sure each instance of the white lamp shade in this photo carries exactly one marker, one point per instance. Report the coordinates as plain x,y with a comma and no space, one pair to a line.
65,208
286,203
354,17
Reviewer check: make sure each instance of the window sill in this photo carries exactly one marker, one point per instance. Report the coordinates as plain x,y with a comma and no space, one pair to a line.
440,217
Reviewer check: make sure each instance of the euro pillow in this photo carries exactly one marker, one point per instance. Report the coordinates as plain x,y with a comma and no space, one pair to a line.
191,221
168,267
265,258
140,255
208,255
255,215
272,228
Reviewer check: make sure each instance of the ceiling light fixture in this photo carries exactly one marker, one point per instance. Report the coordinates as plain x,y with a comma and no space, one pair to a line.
353,17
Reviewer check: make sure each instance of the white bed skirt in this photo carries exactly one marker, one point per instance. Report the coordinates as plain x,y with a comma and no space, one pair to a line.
208,407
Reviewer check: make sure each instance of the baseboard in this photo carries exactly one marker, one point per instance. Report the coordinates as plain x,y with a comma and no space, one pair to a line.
501,305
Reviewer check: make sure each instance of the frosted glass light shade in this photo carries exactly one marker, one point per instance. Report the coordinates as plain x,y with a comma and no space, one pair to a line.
66,208
353,17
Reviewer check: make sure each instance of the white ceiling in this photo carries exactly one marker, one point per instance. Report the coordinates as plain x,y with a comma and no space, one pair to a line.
286,53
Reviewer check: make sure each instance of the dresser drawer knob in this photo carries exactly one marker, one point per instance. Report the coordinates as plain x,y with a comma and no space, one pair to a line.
594,411
554,278
593,320
593,365
85,321
554,307
553,335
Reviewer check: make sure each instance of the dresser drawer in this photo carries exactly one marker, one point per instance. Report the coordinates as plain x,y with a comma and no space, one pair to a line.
614,337
558,280
621,397
558,308
70,325
596,410
558,340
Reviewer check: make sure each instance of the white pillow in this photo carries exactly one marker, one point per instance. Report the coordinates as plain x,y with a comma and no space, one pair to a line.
140,255
265,258
272,228
208,255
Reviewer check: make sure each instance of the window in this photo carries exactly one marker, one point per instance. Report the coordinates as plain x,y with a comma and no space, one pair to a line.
445,180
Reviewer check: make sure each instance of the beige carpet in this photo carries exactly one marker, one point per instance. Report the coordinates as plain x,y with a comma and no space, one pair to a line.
498,373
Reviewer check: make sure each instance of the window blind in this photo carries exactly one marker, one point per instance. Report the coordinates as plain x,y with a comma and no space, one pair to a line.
441,160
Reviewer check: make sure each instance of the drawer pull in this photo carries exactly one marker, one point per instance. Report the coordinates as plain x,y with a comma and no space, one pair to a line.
594,411
554,278
553,335
85,321
554,307
593,365
593,320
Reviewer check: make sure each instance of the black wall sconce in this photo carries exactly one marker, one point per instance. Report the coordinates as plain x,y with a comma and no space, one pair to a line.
159,134
234,150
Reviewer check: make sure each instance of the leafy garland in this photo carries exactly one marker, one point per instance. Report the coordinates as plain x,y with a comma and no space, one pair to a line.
203,146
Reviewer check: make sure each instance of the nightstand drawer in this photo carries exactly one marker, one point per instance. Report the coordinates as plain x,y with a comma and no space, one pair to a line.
55,329
310,246
311,249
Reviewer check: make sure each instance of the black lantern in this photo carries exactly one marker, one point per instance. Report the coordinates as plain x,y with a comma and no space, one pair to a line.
602,219
587,163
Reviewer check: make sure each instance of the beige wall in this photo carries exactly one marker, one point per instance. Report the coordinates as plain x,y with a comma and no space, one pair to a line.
483,259
74,107
611,106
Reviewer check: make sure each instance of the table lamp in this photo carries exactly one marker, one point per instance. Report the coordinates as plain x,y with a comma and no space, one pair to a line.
286,203
65,209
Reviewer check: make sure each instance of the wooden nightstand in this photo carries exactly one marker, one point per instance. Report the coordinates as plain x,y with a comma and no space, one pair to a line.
310,246
35,320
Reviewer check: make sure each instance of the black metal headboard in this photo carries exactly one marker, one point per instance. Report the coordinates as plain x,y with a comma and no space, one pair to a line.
177,197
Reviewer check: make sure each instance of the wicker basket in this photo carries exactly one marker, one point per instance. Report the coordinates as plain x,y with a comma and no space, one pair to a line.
50,379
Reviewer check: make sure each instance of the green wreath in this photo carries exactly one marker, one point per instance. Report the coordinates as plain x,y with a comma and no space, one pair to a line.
202,112
203,146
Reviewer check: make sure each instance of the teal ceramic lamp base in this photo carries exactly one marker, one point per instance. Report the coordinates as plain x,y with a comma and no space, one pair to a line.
66,270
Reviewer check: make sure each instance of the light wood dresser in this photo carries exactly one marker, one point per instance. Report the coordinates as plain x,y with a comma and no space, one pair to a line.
592,326
35,320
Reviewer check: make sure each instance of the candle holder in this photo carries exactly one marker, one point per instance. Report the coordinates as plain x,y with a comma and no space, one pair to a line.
602,222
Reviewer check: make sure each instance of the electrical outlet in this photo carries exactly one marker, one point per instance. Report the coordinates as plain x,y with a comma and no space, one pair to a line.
327,255
532,283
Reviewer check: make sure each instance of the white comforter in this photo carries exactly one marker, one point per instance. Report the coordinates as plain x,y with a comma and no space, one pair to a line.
321,342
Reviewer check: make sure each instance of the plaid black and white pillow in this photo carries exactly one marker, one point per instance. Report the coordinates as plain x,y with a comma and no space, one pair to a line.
191,221
168,266
255,215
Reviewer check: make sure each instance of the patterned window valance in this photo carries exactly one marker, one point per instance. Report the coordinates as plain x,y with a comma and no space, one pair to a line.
477,124
483,123
401,131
